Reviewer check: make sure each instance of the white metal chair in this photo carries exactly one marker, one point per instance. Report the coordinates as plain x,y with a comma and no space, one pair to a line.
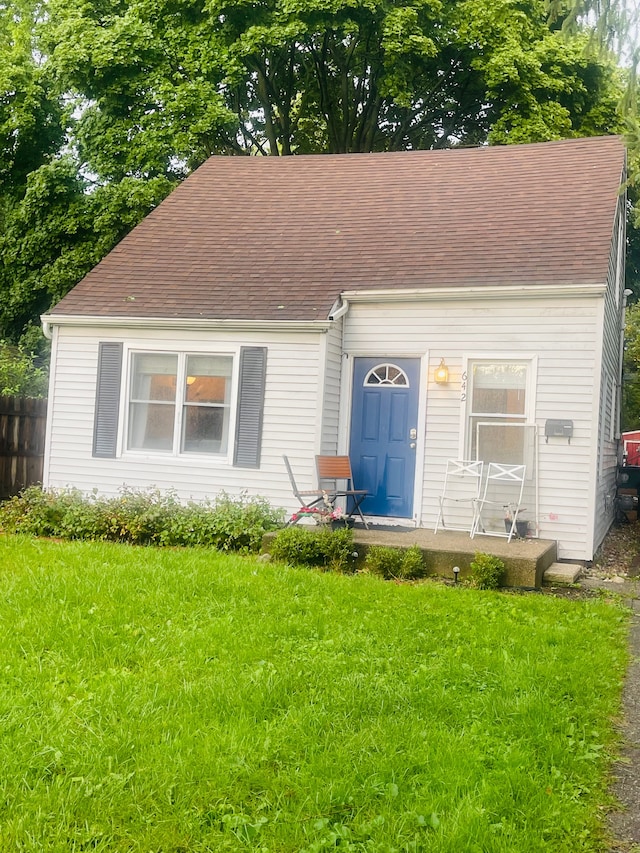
503,488
461,489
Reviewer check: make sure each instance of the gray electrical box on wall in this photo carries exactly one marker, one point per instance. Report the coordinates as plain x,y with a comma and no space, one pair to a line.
558,429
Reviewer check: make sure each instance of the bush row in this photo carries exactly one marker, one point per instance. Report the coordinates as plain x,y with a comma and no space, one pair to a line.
334,551
148,517
152,517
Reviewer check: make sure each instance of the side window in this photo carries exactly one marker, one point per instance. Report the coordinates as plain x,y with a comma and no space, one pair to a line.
497,411
207,398
152,401
180,403
195,419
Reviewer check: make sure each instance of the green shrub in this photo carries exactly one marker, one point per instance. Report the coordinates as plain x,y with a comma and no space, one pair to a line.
395,563
486,571
383,561
35,512
20,374
141,518
228,523
315,547
413,565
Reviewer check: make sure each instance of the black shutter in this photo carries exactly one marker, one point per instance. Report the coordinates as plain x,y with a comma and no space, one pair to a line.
253,371
105,424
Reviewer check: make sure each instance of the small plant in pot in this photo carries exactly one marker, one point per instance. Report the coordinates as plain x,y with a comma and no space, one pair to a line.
522,525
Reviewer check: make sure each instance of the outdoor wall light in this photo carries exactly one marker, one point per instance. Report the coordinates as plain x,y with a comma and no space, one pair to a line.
441,374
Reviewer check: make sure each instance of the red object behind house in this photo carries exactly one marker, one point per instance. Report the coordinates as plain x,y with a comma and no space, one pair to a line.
631,444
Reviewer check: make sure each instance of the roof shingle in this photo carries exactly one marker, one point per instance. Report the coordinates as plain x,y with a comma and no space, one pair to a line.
281,237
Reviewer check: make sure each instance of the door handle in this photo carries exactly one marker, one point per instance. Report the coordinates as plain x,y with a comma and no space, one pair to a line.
413,433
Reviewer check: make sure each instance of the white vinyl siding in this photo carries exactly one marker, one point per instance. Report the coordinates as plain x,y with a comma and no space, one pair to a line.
290,421
332,378
609,378
559,332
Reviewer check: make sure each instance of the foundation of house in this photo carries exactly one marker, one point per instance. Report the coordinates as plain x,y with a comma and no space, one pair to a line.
525,560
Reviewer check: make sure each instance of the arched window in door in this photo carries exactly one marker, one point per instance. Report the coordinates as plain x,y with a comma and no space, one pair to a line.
386,374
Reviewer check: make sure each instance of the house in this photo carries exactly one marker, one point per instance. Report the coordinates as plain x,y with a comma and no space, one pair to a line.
303,305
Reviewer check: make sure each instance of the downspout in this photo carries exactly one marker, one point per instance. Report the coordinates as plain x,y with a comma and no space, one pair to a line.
340,310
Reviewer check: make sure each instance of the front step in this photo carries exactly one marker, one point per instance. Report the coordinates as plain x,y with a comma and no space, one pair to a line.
562,573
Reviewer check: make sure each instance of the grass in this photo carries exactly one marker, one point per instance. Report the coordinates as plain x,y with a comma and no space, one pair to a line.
179,701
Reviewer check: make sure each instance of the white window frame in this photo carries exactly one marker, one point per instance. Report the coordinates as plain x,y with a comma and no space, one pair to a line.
528,416
176,451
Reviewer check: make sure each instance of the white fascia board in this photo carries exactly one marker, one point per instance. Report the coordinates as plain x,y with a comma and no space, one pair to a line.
532,291
182,324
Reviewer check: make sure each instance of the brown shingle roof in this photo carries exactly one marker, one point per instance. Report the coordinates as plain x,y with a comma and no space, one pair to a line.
280,238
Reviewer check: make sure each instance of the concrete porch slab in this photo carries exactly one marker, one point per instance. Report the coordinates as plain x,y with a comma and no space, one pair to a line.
525,560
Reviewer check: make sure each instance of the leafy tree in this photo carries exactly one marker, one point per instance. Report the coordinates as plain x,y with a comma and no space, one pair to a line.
21,374
163,85
58,231
32,124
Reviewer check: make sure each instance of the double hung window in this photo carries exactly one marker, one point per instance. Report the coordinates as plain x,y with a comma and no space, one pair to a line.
179,402
498,408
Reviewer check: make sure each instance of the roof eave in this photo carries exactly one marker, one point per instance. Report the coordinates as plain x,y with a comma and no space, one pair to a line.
526,291
184,324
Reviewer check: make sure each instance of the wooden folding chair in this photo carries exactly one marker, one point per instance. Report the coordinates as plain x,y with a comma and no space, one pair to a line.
334,471
304,497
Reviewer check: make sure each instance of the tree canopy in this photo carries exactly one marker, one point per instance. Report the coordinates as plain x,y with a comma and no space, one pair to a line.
162,85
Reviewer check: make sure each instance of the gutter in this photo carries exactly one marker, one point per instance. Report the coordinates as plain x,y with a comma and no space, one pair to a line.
183,324
435,294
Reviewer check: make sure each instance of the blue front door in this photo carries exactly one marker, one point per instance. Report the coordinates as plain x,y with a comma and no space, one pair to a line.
384,424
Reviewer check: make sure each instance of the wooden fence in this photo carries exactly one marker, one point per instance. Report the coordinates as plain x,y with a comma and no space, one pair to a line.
22,433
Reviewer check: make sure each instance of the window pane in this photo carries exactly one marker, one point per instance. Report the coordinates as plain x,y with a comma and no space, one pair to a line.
208,379
499,401
498,442
499,388
151,426
496,375
205,429
154,377
498,396
152,407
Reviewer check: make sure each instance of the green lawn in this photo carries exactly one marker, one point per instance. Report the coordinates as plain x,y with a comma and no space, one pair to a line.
181,700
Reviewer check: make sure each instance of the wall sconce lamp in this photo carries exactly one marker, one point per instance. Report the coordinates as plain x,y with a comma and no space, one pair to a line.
441,373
